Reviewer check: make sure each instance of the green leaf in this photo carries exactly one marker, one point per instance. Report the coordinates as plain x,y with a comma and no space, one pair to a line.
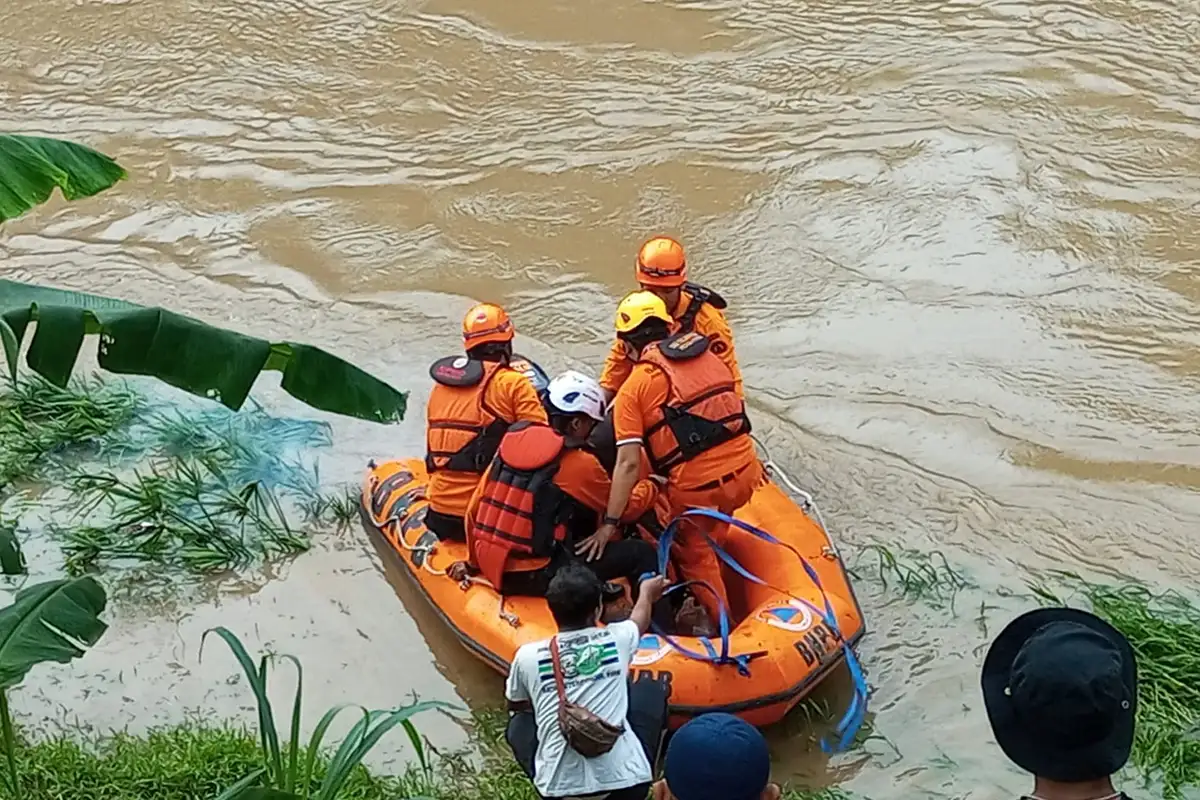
186,353
318,737
52,621
365,734
12,560
257,676
414,737
31,166
237,790
289,778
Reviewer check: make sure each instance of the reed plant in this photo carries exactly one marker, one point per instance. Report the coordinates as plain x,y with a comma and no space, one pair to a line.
290,772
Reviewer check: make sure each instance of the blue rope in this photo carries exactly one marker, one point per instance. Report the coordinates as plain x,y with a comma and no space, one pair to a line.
851,722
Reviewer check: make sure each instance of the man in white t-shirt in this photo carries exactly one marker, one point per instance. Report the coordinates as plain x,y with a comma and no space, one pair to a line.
595,663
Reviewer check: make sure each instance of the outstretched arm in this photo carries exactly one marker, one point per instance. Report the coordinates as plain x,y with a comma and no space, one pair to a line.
649,593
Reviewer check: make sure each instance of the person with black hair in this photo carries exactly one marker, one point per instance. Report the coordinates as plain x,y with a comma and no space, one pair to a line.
593,663
475,399
544,492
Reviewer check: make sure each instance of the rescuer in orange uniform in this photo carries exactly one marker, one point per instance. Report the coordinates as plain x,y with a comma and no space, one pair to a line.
475,399
543,497
680,404
662,269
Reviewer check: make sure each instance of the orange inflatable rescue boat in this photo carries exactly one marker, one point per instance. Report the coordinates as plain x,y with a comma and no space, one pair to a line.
786,582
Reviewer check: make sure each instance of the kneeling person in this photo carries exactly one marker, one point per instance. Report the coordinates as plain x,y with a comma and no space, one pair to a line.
543,497
594,666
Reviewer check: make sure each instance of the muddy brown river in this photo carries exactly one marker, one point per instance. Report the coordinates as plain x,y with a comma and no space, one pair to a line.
959,241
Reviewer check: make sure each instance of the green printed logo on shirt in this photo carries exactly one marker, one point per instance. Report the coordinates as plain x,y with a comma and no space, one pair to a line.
583,660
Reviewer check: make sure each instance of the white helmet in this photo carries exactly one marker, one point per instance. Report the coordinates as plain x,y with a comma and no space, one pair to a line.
575,393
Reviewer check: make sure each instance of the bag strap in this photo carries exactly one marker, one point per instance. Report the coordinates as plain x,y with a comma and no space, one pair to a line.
558,673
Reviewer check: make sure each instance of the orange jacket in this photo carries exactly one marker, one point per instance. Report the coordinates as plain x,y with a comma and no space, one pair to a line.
581,488
471,406
707,317
679,403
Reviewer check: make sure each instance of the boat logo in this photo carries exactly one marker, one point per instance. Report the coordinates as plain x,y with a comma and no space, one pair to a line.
795,616
650,649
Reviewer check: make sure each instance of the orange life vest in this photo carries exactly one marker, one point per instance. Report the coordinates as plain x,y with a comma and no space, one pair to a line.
461,432
521,510
702,409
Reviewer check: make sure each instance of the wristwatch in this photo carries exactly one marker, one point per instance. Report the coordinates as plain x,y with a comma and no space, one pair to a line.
607,520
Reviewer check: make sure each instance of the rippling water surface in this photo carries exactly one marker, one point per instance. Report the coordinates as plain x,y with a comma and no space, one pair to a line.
959,242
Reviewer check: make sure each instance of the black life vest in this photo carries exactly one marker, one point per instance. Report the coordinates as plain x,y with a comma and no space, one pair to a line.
700,296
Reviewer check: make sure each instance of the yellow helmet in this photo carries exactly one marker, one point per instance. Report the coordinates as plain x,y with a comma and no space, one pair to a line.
637,307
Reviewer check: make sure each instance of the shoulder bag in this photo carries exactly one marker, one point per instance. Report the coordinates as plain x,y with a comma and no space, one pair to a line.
586,733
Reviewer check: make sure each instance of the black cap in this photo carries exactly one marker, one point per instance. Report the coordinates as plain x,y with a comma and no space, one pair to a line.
1060,688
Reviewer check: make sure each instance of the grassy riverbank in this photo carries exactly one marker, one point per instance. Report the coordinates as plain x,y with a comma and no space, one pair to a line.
195,762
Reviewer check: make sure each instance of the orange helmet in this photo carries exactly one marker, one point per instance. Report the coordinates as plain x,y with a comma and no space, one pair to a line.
486,323
660,262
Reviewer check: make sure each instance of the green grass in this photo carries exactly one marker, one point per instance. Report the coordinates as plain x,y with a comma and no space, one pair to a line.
199,489
195,762
185,763
39,420
1164,631
182,512
924,576
339,506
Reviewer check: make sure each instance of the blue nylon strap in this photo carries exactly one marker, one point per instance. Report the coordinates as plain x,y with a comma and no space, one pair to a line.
851,722
742,662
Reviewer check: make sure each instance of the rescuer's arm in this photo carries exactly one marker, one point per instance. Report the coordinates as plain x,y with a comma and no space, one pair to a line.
617,366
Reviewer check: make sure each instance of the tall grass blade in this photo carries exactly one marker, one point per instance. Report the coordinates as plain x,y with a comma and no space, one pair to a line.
414,736
289,780
258,684
355,747
315,741
237,791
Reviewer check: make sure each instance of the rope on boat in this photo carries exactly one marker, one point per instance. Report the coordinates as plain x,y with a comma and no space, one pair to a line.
428,549
806,501
427,565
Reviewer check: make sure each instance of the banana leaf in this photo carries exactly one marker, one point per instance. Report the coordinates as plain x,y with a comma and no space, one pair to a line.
52,621
31,166
188,354
12,560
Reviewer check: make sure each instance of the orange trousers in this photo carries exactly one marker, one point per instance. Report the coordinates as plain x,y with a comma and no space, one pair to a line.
694,558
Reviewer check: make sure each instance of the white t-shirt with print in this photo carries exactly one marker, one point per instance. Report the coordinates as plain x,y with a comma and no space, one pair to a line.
595,665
